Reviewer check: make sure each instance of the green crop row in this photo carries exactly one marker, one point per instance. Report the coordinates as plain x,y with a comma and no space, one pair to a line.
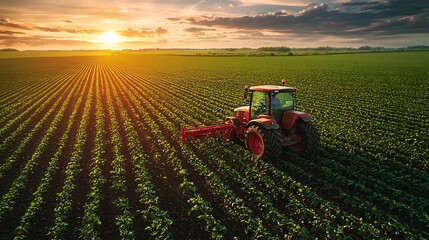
92,149
64,201
200,207
157,219
23,230
91,221
8,200
124,221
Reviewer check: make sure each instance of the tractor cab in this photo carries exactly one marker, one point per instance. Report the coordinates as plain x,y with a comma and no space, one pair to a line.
267,126
271,100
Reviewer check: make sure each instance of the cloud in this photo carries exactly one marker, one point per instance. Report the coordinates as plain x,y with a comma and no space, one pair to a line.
251,34
37,41
161,31
6,22
32,27
112,20
350,19
390,8
199,31
142,32
404,25
10,32
214,23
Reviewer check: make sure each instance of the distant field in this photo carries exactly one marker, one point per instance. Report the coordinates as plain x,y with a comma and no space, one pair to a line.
35,54
202,52
90,147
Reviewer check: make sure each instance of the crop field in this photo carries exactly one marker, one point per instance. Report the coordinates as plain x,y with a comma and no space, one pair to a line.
90,148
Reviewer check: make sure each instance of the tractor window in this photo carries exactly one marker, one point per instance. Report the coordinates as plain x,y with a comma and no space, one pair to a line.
258,104
284,103
286,100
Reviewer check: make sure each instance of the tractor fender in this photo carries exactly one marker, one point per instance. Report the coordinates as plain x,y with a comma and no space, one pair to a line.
290,117
268,122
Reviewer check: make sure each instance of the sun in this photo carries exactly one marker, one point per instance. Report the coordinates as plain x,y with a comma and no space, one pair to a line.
110,37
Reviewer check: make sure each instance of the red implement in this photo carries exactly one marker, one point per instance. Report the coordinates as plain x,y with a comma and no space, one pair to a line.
205,130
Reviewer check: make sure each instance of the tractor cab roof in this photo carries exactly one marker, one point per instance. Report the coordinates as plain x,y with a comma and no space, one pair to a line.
272,88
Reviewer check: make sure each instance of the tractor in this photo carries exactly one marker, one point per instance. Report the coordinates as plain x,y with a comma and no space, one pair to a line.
266,127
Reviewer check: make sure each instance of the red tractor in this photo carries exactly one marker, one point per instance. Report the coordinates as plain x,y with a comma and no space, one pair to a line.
265,127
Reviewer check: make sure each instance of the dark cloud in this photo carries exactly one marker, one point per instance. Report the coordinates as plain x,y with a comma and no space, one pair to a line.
161,31
254,35
199,31
9,32
142,32
259,8
32,27
391,8
355,18
405,25
37,41
8,23
84,31
130,32
251,33
68,30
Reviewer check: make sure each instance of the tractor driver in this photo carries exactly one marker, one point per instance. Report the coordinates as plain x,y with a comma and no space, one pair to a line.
275,102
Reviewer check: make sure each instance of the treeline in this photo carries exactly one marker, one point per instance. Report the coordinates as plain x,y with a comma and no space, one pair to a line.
327,48
275,49
9,50
418,47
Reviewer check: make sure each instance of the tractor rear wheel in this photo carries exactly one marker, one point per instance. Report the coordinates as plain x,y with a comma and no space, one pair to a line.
310,139
263,143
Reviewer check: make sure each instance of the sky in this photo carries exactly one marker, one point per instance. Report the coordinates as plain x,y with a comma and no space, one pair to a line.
135,24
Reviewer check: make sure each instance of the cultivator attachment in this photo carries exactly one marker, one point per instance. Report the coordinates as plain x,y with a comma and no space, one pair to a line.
206,130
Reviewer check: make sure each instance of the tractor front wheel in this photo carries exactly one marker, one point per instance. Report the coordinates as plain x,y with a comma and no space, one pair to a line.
263,143
310,139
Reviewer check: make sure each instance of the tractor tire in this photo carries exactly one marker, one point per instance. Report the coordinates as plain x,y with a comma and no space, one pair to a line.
263,143
310,139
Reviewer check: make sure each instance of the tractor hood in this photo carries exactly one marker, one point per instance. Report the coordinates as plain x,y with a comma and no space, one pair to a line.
242,109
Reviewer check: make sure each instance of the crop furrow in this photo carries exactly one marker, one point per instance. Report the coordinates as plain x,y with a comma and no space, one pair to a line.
23,230
64,202
34,110
345,197
125,219
91,220
8,199
200,208
15,156
36,91
157,220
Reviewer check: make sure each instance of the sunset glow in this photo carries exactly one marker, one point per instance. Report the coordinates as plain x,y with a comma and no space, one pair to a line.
110,37
47,24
